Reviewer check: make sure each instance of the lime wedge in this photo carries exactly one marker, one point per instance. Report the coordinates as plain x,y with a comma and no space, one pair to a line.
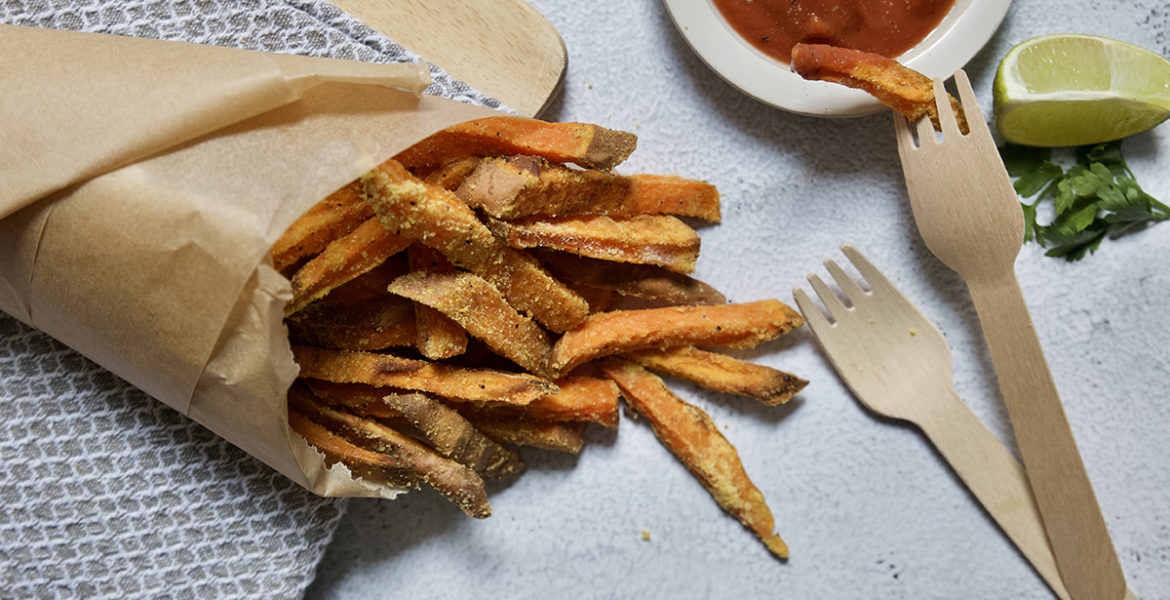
1070,90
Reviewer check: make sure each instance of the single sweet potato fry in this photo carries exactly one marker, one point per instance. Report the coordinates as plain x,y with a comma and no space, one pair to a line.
451,382
599,299
478,307
659,240
649,282
437,336
360,398
579,143
368,285
371,324
342,260
898,87
451,174
456,438
721,373
436,218
582,398
691,435
617,332
674,195
448,432
331,218
521,186
458,483
363,463
561,437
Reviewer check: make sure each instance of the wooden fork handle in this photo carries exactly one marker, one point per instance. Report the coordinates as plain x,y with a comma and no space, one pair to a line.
995,478
1072,518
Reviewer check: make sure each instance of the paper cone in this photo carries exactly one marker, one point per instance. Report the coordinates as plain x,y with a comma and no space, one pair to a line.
141,186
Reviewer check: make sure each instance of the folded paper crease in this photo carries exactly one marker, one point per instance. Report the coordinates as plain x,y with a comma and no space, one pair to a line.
151,95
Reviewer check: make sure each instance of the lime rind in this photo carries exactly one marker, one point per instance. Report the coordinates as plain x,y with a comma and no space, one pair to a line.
1045,122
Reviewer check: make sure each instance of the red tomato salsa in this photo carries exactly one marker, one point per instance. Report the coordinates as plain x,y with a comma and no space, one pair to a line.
886,27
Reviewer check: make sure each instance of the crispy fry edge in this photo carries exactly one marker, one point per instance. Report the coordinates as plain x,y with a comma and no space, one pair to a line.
690,434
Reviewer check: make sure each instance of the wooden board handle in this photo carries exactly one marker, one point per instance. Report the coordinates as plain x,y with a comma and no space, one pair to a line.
504,48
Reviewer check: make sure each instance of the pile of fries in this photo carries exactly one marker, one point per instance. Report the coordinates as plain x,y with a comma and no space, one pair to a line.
497,284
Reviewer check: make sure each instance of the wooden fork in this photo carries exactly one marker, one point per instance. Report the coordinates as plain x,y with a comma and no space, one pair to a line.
898,364
970,218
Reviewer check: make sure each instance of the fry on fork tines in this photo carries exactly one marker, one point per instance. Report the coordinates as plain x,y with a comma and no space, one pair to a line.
440,314
901,88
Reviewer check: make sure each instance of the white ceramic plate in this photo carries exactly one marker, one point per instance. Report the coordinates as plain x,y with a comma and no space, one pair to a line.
961,34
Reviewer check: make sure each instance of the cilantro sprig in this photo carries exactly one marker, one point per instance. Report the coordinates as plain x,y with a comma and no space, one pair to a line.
1095,198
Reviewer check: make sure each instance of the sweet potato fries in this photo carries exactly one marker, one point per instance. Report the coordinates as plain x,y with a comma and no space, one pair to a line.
901,88
470,295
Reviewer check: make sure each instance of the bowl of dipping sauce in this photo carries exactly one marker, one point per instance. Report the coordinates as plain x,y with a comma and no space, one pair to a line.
748,42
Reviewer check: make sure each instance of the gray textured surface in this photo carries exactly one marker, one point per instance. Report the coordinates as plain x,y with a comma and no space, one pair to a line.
105,492
866,505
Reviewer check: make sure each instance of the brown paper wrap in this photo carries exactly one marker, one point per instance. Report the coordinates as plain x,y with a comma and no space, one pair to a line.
141,186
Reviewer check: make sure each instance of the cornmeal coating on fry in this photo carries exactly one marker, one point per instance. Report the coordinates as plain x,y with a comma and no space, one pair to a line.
561,437
342,260
358,398
458,483
643,239
688,432
521,186
436,218
721,373
371,324
732,325
448,432
451,174
448,381
437,336
599,299
579,143
898,87
582,398
329,219
367,464
367,286
456,438
475,305
639,281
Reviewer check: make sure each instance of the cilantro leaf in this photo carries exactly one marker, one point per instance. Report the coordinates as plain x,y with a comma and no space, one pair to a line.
1113,198
1030,227
1097,197
1034,180
1021,160
1086,182
1073,235
1065,195
1108,154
